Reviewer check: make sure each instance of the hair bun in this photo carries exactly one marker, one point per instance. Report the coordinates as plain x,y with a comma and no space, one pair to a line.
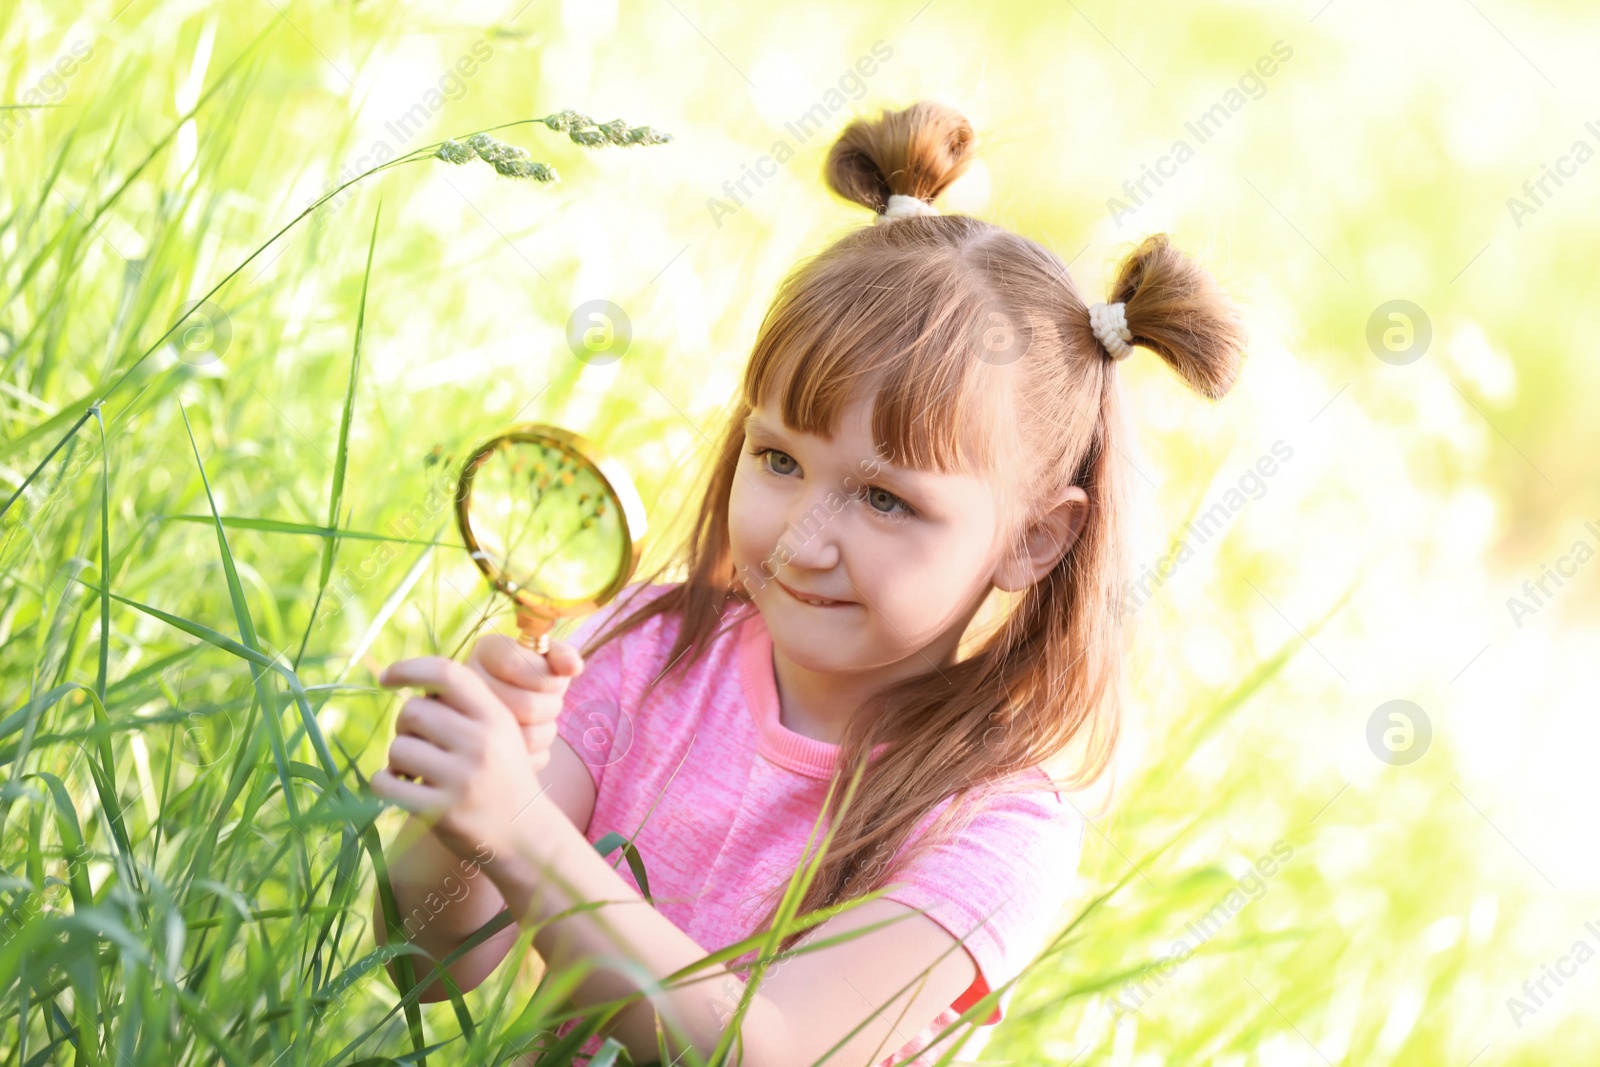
916,151
1174,308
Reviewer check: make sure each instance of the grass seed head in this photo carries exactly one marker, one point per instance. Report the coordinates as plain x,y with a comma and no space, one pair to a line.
454,152
591,134
507,160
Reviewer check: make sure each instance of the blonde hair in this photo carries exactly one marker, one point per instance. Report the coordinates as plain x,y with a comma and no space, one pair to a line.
907,312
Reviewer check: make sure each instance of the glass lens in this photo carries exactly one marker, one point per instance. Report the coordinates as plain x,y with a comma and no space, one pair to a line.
545,522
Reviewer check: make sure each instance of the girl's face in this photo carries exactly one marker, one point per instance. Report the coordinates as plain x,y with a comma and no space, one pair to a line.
904,556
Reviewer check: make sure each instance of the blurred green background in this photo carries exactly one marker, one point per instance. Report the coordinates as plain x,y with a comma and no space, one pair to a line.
1402,199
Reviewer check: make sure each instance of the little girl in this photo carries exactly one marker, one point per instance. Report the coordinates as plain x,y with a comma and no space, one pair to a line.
930,414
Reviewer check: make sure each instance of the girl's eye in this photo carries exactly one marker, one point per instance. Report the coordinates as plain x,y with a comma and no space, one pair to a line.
762,453
883,503
895,509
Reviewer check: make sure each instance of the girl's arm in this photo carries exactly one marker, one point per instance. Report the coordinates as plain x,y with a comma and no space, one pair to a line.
442,898
805,1004
439,907
471,780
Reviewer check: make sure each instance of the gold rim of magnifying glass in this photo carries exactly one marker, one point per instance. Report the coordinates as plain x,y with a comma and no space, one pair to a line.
598,462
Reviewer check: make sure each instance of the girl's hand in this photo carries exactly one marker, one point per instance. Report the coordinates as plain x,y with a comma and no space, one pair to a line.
531,685
464,748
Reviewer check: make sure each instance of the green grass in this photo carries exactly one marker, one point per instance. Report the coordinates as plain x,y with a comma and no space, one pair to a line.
206,555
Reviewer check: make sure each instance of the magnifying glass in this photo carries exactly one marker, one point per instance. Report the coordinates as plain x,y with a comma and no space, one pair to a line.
555,524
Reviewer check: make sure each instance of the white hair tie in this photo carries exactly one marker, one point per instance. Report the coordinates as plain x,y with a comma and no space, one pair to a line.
903,207
1110,324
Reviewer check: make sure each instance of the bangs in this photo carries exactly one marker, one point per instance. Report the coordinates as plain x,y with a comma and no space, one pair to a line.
912,334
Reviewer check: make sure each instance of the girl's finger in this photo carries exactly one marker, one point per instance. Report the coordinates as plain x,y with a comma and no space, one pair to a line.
434,722
412,796
525,706
565,659
417,758
520,666
455,684
540,737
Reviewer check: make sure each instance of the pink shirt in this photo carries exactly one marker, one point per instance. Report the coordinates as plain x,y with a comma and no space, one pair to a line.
736,794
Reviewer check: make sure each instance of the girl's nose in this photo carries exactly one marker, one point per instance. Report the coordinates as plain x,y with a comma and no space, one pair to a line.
812,534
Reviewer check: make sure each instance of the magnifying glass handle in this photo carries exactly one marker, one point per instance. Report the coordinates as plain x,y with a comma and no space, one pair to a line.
535,633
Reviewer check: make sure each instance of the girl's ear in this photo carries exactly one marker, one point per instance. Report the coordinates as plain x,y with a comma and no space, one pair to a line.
1045,542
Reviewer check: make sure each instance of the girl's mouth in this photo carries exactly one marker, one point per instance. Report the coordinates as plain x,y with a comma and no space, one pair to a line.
816,602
